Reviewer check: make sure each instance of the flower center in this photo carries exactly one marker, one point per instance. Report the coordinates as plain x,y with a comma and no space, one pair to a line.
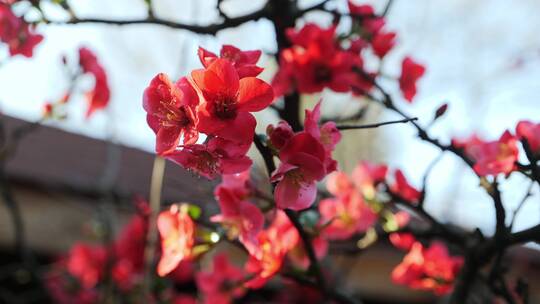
322,74
225,108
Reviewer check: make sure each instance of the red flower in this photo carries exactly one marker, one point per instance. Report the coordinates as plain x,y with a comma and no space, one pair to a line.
491,157
273,245
244,61
220,286
531,132
129,253
170,112
177,231
428,269
58,286
403,189
87,264
228,100
302,165
382,43
314,62
366,14
98,98
218,156
238,215
410,73
16,33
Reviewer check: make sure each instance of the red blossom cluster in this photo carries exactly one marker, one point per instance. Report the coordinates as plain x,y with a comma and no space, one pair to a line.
79,275
320,58
428,268
349,211
16,33
216,101
424,268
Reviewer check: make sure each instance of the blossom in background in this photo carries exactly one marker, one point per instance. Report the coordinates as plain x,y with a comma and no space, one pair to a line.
228,100
410,74
313,62
98,98
18,35
429,268
491,157
403,189
347,212
87,263
531,132
177,232
274,243
245,62
223,283
382,43
238,215
365,13
170,109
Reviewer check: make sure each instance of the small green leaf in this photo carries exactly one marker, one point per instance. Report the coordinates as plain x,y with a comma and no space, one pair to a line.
194,211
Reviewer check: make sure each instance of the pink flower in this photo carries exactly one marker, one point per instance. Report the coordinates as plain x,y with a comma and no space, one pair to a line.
403,189
410,73
16,33
218,156
531,132
244,61
87,263
228,100
302,165
241,217
170,112
177,231
98,98
491,157
428,269
327,134
220,286
348,213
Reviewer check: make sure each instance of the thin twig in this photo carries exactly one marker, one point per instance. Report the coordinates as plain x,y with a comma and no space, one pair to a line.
376,125
156,185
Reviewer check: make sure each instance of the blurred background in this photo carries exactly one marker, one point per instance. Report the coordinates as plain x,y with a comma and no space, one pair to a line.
482,58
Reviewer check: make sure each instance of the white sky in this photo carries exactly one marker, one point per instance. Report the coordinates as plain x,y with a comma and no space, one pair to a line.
483,57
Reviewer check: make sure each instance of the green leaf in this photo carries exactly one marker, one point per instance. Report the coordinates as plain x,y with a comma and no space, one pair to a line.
194,211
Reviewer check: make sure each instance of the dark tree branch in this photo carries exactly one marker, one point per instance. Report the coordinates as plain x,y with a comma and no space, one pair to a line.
376,125
210,29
